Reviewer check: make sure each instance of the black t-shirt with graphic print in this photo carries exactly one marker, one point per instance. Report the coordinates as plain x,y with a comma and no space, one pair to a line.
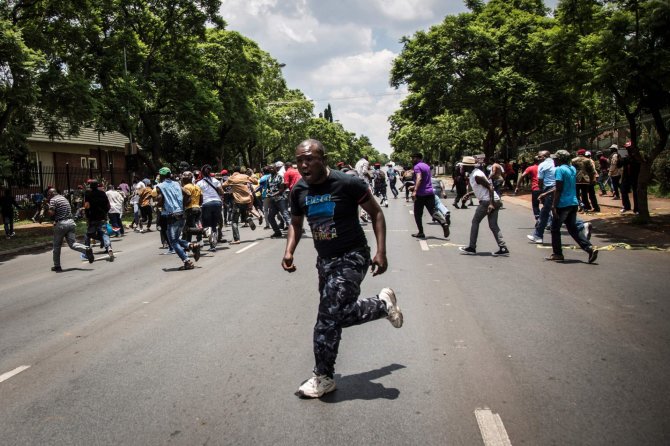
331,209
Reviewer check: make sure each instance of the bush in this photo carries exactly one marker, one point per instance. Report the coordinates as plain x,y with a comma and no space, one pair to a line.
661,172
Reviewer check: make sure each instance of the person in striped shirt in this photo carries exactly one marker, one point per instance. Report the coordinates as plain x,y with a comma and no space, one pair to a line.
64,226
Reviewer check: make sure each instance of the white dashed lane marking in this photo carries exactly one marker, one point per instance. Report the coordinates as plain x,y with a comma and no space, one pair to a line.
16,371
492,428
247,247
424,245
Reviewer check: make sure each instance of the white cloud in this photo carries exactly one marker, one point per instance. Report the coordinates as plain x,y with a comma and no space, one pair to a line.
357,69
339,52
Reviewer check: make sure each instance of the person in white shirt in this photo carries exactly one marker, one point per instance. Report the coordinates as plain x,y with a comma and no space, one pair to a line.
212,204
116,202
489,205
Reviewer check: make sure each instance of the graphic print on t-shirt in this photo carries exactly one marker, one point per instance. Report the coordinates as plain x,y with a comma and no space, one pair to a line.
320,212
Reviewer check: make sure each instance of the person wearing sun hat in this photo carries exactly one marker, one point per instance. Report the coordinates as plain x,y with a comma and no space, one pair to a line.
489,205
564,209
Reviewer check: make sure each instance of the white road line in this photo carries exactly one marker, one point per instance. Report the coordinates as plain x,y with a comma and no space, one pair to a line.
424,245
247,247
16,371
411,212
492,428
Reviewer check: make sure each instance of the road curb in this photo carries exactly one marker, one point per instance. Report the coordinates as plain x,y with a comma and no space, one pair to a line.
34,247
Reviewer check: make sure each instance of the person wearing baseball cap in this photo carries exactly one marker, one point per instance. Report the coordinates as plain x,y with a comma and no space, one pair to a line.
564,209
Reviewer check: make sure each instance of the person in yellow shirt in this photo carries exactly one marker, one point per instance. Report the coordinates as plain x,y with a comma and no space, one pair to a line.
192,209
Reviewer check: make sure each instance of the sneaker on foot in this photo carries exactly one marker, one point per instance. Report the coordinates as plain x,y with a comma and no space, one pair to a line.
467,250
501,252
89,255
235,242
251,223
534,239
57,269
277,235
316,387
395,313
593,255
419,235
260,219
187,265
555,258
111,255
445,228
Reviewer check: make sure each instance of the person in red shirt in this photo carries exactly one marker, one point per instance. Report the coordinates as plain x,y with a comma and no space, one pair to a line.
291,176
531,172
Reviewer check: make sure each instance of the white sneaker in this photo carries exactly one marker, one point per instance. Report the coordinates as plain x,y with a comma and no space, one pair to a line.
534,239
316,387
395,314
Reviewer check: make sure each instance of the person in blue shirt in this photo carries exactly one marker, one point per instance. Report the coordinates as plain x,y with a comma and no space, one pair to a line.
546,183
564,208
171,199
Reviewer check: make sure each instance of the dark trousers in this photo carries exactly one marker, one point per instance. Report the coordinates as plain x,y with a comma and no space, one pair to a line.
545,213
115,221
626,188
147,214
192,225
339,307
278,207
239,210
394,190
428,202
461,190
586,194
567,216
615,185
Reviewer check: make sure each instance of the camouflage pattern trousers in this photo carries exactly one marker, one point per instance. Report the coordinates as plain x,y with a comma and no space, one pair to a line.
339,287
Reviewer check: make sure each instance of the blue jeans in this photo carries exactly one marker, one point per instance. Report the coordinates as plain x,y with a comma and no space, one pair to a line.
568,215
535,203
174,228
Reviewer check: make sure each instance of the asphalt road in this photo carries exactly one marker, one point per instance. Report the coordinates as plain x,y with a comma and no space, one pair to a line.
135,352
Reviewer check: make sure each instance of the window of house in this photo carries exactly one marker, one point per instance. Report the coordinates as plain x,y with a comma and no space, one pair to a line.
89,163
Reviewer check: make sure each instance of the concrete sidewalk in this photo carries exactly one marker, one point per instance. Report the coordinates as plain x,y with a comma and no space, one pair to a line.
616,227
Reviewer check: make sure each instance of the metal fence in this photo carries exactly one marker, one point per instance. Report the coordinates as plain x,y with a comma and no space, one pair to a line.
27,186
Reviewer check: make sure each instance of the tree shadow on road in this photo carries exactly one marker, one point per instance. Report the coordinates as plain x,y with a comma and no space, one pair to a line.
361,387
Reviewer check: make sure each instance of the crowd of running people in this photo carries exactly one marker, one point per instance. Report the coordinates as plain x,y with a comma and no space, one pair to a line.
190,207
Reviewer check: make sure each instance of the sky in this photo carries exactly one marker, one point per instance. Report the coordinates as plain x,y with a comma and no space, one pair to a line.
340,52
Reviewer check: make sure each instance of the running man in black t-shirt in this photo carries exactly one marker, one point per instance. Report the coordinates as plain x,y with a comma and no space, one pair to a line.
330,199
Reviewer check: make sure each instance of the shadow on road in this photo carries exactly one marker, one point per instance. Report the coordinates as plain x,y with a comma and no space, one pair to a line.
361,387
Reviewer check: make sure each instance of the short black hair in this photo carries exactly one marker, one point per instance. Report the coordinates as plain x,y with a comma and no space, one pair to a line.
417,155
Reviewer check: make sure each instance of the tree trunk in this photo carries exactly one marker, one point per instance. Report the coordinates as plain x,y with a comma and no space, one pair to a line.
154,139
642,199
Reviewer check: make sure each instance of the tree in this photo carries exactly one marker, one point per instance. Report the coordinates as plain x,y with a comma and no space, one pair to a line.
162,89
626,57
45,72
490,62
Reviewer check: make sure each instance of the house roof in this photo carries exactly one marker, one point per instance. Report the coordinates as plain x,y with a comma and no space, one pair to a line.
87,136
